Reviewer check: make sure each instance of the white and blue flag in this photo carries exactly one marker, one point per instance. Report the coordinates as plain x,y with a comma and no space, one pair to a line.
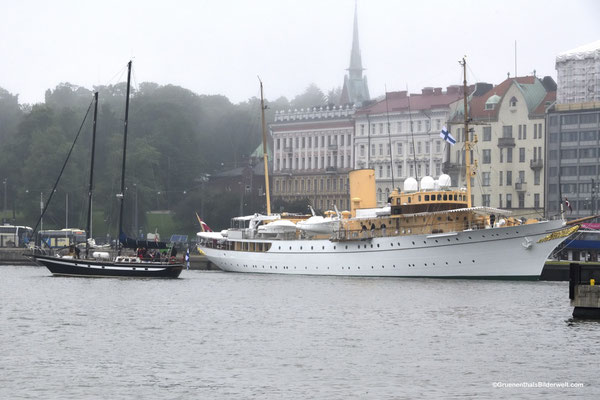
187,258
447,136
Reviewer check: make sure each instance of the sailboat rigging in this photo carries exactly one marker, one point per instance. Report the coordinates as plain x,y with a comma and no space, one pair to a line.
100,264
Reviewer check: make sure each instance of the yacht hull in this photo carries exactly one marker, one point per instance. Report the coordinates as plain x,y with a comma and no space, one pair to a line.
500,253
89,268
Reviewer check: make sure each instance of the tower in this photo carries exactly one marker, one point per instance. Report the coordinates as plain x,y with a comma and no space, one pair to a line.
355,89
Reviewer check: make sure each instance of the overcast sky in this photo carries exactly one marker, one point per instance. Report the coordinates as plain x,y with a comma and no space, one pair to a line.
219,47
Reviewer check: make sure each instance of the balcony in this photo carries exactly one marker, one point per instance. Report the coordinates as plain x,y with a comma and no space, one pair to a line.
506,142
536,164
521,186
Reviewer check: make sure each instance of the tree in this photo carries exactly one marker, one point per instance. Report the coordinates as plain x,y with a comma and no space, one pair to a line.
312,97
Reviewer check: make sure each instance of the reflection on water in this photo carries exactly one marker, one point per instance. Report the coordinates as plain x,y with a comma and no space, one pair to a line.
224,335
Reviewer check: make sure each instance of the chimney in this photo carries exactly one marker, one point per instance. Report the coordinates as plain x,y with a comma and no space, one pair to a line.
427,91
437,91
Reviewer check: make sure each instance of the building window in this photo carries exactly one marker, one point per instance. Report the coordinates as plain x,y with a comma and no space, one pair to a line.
521,176
536,177
509,152
521,200
418,147
507,131
513,101
399,127
381,171
387,171
362,129
427,147
419,126
399,170
500,180
380,149
536,200
372,149
539,131
438,146
381,129
508,200
485,200
500,200
400,149
362,150
485,179
508,179
524,132
521,154
487,156
520,131
535,131
501,155
487,133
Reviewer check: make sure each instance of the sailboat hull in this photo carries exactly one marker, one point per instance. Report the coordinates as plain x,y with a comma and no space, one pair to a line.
88,268
500,253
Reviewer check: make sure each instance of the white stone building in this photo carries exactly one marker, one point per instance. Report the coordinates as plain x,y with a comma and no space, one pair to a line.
399,137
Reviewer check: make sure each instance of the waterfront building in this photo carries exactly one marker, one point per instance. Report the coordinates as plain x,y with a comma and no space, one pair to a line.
313,147
572,143
399,136
508,121
313,155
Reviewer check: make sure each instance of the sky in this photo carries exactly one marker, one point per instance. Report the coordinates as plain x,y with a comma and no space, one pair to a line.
221,46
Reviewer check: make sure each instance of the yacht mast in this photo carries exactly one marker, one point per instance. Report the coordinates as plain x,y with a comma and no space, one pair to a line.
265,155
90,188
120,196
468,143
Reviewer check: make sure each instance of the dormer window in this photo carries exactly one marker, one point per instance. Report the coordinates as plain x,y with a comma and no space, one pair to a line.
513,101
490,104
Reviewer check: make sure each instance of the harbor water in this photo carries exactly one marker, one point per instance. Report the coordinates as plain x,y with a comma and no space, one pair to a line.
218,335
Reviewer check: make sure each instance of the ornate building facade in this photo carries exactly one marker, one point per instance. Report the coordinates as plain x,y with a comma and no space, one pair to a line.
313,155
399,136
509,123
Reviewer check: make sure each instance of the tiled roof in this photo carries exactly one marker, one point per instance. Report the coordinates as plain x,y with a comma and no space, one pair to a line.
541,108
530,86
399,101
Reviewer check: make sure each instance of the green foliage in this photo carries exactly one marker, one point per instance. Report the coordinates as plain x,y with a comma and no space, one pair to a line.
174,138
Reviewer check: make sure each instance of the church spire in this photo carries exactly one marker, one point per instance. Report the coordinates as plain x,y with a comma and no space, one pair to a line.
355,88
356,68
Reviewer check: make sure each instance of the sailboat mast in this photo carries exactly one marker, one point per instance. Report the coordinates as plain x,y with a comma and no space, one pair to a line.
265,155
90,188
467,139
121,195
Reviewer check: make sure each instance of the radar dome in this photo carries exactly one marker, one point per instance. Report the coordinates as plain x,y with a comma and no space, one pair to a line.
444,181
427,183
410,185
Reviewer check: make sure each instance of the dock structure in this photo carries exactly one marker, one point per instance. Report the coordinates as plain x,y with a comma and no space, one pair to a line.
583,291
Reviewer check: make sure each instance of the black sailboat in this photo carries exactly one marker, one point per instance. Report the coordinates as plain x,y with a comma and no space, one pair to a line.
121,265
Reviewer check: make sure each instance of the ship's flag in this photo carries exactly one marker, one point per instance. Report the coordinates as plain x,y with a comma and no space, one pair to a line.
447,136
187,258
203,226
568,205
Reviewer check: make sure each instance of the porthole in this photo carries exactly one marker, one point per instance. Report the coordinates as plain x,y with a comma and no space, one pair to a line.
300,247
413,243
290,247
311,247
323,248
